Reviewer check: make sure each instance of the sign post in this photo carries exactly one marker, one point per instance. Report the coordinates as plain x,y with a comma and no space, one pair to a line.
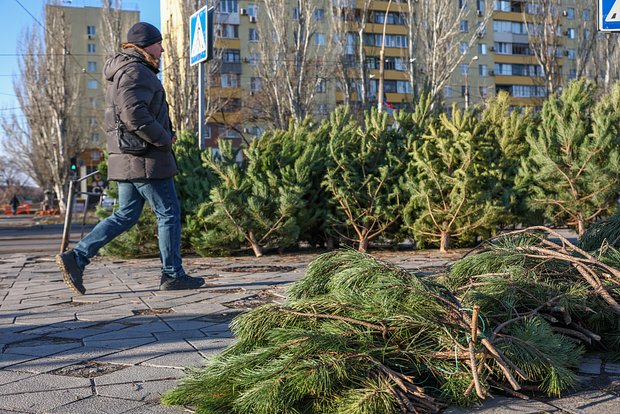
201,50
609,15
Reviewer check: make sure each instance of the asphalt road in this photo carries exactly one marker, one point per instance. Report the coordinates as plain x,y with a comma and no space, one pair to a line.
20,234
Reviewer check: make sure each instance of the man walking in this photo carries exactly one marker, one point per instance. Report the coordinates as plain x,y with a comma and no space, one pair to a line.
136,102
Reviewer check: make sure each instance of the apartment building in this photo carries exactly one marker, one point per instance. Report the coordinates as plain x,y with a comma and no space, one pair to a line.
497,47
86,28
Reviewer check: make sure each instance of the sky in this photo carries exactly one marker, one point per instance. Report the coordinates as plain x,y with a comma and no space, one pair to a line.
14,20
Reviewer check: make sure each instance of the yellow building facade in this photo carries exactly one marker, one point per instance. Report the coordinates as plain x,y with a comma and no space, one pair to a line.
498,59
86,46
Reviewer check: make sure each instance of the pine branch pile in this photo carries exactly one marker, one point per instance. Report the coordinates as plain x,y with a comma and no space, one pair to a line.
357,335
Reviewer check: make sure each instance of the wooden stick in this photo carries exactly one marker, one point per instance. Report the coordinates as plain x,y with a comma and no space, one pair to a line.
474,323
474,371
502,364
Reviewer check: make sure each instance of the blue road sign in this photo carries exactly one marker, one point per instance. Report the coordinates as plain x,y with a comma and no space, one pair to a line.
198,40
609,15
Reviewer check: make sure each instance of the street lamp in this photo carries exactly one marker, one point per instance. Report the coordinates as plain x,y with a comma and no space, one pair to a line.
473,59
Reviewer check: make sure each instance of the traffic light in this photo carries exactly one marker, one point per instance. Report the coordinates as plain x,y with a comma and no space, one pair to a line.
73,168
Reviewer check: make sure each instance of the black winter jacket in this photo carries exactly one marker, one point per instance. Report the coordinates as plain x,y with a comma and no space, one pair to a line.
140,101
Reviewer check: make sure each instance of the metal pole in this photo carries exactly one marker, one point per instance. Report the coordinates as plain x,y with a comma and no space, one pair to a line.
201,106
467,89
66,230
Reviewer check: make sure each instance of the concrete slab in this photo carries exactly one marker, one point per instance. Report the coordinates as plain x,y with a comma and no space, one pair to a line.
589,402
97,404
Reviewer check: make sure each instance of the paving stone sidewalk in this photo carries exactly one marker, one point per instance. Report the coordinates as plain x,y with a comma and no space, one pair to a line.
119,347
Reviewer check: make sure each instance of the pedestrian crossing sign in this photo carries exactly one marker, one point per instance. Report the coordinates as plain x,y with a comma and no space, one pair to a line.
201,36
609,15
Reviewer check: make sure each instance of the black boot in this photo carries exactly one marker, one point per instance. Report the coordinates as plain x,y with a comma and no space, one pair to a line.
180,283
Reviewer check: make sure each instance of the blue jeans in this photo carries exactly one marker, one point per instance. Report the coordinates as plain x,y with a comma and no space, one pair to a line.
162,197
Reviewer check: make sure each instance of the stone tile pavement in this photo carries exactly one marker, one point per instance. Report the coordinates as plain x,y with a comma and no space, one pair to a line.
119,347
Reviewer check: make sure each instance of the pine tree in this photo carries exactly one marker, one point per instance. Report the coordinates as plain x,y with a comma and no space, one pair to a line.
502,146
363,169
358,335
261,200
573,166
447,181
193,184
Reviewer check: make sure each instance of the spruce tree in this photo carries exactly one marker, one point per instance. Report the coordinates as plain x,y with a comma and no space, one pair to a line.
447,181
363,170
573,168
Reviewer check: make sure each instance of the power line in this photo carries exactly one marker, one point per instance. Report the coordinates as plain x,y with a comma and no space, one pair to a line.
66,51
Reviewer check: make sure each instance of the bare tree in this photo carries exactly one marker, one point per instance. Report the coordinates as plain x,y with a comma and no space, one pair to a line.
112,26
437,29
182,79
47,91
12,179
348,20
544,26
604,66
586,37
293,58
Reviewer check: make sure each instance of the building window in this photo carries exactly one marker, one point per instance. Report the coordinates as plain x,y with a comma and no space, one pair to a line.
481,6
229,6
464,26
447,91
92,84
570,13
92,66
255,84
91,31
229,31
95,155
92,48
403,87
572,74
319,39
570,33
319,14
231,56
464,68
295,13
253,59
482,48
94,103
321,86
96,140
252,35
92,121
252,10
229,80
502,5
483,71
585,14
463,48
571,54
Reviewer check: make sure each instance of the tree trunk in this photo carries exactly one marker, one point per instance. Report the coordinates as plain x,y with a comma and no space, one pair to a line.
444,242
581,225
363,245
256,247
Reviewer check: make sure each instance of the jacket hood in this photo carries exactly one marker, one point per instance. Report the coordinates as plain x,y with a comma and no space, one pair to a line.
117,62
